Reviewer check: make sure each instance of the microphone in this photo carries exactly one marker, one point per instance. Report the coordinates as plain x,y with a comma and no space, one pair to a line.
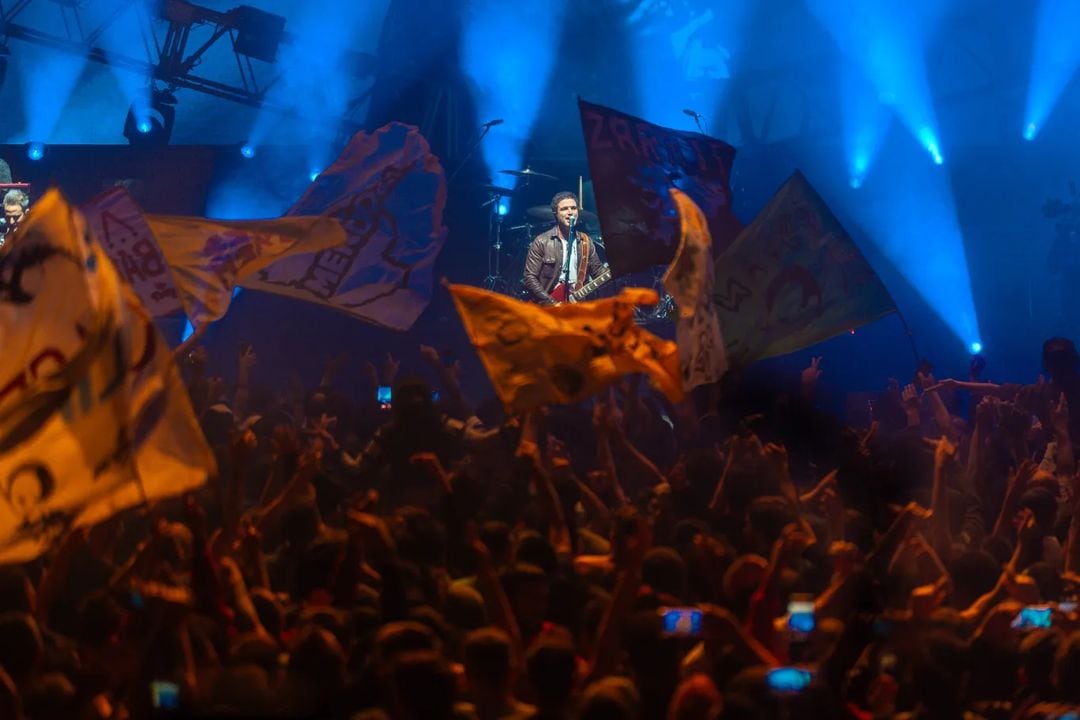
692,113
492,123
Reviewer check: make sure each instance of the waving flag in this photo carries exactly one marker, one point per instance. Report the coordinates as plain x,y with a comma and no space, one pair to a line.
633,165
93,415
793,278
118,223
537,355
689,281
210,257
389,192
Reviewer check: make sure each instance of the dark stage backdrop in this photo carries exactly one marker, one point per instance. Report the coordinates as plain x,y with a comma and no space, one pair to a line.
172,179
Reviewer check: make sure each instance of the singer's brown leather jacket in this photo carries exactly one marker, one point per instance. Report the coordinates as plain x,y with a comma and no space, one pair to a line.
544,264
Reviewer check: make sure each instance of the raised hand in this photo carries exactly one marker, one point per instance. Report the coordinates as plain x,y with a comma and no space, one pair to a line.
433,467
1059,416
247,358
812,372
390,369
909,397
431,355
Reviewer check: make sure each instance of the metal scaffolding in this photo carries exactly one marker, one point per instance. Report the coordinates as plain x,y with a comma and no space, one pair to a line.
176,36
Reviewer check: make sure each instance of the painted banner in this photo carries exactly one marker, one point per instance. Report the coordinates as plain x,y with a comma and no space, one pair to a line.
689,281
536,355
117,222
94,417
389,192
793,278
210,257
634,164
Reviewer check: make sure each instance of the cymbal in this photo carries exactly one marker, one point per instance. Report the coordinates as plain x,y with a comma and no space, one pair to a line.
496,190
528,173
543,212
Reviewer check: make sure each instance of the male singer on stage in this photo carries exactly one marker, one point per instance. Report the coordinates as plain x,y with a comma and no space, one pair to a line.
545,271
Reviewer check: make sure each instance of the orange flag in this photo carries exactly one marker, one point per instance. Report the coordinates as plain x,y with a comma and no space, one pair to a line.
564,354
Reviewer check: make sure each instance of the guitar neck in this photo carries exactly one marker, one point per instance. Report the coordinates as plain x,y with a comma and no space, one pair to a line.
596,282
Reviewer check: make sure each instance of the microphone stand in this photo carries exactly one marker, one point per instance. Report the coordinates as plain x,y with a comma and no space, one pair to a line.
571,237
468,154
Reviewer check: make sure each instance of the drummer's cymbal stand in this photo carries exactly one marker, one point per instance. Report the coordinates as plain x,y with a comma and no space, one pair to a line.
494,280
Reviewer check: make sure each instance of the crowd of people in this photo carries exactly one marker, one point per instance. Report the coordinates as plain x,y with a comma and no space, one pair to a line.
402,556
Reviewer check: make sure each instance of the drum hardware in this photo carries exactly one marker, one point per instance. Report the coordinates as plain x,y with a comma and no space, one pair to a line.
528,174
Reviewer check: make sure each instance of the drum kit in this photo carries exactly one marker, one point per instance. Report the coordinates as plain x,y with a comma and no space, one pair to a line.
533,221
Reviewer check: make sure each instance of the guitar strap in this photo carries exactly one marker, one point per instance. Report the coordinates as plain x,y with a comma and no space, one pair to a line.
583,260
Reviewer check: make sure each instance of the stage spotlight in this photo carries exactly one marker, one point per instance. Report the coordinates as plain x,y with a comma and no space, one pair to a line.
247,150
504,207
976,347
1029,131
35,151
314,175
929,141
855,182
258,33
151,126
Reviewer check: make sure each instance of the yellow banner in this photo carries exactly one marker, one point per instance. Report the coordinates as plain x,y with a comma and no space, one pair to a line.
564,354
209,257
689,280
89,425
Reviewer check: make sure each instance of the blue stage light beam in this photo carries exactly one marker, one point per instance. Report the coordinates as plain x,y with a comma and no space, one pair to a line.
316,81
866,122
1056,56
887,41
683,56
124,36
48,78
910,214
509,54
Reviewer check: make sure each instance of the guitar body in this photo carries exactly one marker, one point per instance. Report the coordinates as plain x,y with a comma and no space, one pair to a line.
559,292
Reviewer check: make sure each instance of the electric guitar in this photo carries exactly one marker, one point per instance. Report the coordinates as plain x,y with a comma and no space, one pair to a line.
559,291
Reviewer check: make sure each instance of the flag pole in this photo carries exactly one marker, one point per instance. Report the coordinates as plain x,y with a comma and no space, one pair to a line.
910,336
